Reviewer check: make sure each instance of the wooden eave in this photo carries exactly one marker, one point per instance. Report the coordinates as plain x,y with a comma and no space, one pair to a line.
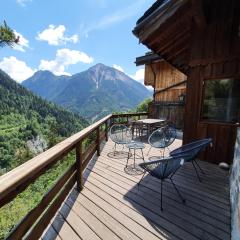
167,31
148,59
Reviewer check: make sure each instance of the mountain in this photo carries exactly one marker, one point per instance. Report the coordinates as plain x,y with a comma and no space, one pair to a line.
28,123
93,93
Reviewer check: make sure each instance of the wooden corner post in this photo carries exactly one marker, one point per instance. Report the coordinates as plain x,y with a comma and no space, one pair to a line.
98,141
79,166
106,130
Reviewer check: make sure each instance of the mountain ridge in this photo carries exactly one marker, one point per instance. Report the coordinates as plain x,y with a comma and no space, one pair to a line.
93,93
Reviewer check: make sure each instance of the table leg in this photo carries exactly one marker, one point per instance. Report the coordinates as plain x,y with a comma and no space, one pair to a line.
129,152
142,155
134,156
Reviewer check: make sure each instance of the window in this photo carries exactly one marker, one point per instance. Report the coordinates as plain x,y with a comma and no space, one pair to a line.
221,100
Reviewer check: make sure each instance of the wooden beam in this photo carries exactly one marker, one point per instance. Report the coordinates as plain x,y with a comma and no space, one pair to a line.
172,86
198,14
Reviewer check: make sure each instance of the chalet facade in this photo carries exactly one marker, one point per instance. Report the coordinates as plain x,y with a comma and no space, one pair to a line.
201,39
169,86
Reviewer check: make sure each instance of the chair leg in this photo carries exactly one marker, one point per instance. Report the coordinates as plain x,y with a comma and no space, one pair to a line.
196,172
142,155
174,173
114,149
199,167
161,194
129,152
149,150
179,194
141,180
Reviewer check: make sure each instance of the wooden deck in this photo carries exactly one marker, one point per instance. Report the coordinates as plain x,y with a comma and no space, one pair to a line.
112,207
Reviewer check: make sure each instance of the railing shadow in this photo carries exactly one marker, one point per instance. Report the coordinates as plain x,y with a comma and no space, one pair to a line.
60,218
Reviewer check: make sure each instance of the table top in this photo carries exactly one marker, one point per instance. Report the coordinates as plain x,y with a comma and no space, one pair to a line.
151,120
135,145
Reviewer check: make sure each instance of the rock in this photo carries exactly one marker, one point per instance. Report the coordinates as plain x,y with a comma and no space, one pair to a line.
37,145
224,166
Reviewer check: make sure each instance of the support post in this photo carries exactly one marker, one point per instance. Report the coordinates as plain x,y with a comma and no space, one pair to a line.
98,141
79,166
106,130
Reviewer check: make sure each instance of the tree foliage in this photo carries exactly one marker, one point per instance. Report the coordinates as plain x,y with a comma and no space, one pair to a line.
7,36
23,117
143,106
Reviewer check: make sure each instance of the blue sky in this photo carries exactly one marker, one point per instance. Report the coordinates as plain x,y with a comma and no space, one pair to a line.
69,36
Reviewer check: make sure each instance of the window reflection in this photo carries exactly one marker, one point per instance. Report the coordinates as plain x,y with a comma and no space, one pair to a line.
221,100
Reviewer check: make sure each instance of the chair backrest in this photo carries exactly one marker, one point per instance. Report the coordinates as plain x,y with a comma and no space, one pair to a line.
120,133
162,137
170,134
192,148
164,167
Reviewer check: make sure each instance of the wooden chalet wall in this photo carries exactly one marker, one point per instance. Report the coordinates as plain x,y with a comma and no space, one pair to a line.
201,38
166,76
215,54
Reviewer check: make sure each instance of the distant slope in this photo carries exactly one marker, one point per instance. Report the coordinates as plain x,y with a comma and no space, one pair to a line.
25,116
92,93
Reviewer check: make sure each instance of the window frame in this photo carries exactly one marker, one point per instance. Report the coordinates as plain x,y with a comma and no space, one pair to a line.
205,120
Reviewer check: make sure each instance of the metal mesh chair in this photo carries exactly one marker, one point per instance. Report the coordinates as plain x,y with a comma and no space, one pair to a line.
164,168
162,138
120,135
193,149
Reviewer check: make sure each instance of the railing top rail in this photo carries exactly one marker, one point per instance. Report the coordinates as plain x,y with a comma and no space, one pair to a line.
129,114
22,173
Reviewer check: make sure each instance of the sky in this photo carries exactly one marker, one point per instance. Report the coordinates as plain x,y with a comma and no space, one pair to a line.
69,36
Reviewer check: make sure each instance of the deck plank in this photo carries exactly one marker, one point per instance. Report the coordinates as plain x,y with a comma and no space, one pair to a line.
111,206
171,213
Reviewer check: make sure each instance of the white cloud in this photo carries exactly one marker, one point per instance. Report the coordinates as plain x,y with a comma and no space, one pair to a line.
64,58
23,42
54,35
17,69
139,75
23,2
119,68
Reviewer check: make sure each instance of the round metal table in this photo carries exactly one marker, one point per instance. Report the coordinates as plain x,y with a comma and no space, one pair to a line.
134,168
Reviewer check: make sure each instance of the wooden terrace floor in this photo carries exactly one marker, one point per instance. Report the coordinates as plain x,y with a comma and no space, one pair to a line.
112,207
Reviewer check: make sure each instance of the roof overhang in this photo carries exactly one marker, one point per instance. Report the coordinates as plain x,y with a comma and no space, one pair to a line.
166,29
148,58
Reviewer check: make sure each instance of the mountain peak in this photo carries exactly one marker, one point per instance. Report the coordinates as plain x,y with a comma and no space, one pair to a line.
43,72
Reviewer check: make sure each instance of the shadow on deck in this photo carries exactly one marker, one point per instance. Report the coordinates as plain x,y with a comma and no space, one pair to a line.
112,207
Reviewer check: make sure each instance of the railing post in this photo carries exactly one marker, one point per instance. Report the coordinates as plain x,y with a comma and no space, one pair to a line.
98,141
106,130
79,166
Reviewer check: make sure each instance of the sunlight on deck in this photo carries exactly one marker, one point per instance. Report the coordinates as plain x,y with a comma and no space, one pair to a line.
112,207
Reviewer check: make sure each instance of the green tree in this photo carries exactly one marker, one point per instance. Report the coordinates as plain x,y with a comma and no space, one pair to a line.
143,106
7,36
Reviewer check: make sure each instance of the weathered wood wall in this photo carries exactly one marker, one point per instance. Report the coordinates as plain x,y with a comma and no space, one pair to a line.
173,111
215,54
166,75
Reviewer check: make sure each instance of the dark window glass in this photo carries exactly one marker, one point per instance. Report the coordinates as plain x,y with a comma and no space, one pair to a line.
221,100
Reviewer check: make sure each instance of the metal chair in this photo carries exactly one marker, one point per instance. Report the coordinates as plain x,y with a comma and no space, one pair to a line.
193,149
120,135
163,169
162,138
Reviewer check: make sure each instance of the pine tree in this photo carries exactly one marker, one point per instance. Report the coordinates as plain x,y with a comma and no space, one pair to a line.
7,36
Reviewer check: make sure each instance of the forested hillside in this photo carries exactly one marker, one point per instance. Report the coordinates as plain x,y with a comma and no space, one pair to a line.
29,125
28,122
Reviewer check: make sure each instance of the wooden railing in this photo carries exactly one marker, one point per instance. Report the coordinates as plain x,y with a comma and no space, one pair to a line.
17,180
